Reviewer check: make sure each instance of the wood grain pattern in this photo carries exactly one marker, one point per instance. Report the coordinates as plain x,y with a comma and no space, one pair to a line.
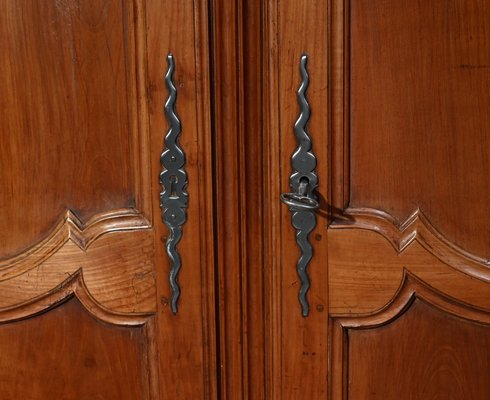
415,228
228,106
418,111
437,357
421,345
238,107
186,341
365,272
409,182
87,128
66,114
83,162
85,359
272,191
296,346
399,128
73,285
118,270
70,228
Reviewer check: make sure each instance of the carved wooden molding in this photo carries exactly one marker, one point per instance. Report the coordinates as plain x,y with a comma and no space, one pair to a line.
411,289
415,227
71,228
74,285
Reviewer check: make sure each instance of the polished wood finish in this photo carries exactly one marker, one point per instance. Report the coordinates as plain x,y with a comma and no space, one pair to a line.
423,344
228,164
354,271
388,128
80,206
118,270
400,275
436,355
66,114
418,100
67,354
406,229
185,341
296,347
240,203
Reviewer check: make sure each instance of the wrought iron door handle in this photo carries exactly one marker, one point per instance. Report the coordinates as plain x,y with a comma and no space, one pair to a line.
173,198
303,181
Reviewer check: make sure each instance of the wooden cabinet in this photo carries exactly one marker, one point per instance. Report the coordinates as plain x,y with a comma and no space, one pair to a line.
399,302
84,291
400,294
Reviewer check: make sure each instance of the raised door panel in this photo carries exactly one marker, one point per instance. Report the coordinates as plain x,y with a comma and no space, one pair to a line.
422,344
419,130
68,115
84,359
398,97
84,269
74,151
408,239
437,353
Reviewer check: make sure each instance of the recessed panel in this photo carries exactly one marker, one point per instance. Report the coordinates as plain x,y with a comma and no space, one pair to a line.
67,354
424,354
420,113
65,113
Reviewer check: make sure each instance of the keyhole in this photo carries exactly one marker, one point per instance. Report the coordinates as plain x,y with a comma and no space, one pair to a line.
173,183
303,186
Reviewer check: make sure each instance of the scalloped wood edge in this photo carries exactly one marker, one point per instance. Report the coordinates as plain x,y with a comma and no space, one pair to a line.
411,288
70,227
72,286
418,228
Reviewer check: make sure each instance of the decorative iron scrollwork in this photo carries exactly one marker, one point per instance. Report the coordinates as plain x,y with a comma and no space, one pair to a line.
173,198
303,181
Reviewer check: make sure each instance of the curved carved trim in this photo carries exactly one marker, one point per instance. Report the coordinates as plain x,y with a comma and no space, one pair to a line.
72,286
410,289
71,228
415,227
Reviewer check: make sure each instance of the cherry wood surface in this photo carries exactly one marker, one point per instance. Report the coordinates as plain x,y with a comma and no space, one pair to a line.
118,270
65,114
424,354
364,281
422,344
408,214
67,354
297,356
400,131
400,279
186,341
240,204
418,87
83,129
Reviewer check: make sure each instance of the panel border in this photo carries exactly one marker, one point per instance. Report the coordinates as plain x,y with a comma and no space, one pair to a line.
400,234
410,289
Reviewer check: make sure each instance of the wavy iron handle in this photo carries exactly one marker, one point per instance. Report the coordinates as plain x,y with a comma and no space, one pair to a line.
302,201
173,198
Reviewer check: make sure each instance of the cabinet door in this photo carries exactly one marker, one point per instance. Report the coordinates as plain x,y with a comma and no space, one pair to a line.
399,303
85,300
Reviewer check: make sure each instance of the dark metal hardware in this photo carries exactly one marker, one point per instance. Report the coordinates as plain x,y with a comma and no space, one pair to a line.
173,198
303,181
